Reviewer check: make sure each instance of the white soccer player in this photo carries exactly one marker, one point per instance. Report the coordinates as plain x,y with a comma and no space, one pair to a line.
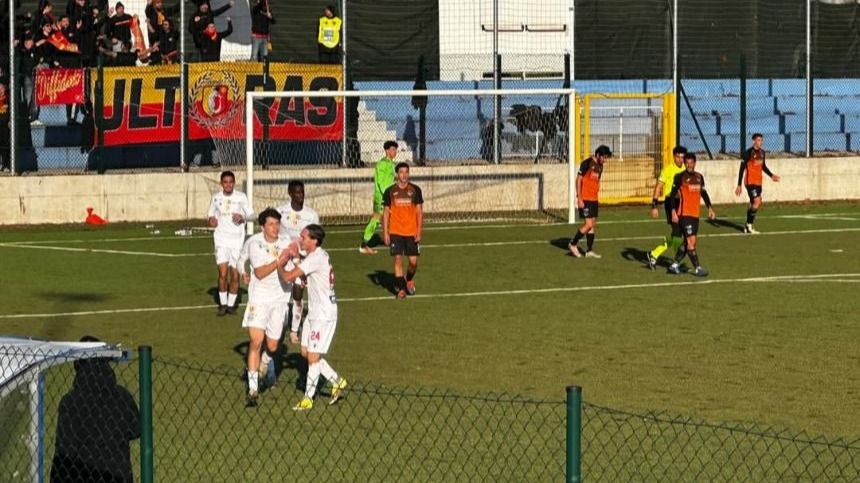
227,214
268,297
319,328
295,216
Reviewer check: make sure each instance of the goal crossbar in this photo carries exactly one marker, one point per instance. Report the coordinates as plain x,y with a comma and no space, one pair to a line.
252,96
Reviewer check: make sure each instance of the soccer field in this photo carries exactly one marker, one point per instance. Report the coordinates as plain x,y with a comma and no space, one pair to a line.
772,336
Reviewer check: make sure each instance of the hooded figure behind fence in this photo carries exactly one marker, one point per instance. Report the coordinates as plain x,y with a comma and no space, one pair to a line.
97,420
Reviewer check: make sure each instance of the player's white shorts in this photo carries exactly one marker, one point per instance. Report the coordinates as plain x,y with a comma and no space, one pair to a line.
318,334
269,317
228,254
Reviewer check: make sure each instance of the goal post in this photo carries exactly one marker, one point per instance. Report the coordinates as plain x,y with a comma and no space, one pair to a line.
463,172
640,130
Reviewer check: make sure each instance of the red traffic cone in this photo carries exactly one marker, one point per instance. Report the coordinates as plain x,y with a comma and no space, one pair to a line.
94,219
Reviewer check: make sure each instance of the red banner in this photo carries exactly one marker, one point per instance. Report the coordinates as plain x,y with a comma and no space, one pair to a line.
59,86
142,104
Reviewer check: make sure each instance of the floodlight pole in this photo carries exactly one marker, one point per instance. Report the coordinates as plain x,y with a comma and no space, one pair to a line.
809,93
13,91
497,84
183,89
343,67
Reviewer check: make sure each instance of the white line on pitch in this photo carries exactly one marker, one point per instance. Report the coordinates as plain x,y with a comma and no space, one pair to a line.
110,240
445,245
810,216
825,216
773,279
99,250
621,238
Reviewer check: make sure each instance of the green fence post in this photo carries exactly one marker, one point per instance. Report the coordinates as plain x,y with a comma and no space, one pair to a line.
145,376
574,435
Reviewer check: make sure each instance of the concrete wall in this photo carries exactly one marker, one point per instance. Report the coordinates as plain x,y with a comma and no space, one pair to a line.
348,193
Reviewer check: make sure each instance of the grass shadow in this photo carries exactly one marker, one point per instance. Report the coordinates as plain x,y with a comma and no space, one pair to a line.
213,292
73,297
383,279
721,223
561,244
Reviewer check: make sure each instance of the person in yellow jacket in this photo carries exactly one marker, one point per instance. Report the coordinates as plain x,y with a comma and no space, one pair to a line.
328,37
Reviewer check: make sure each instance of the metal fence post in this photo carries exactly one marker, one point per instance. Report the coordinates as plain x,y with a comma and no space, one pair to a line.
145,381
12,94
743,106
573,456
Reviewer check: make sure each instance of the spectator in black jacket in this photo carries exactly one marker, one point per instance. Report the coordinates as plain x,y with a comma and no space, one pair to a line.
29,59
201,19
97,419
91,29
210,41
156,14
261,18
119,28
168,44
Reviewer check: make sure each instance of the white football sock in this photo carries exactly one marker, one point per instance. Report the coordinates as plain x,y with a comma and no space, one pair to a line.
298,308
231,299
222,297
253,386
327,371
313,379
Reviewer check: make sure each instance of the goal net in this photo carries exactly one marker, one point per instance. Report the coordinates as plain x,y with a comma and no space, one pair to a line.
469,166
639,129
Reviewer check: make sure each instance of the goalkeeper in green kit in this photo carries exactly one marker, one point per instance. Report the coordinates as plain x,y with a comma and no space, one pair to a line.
383,177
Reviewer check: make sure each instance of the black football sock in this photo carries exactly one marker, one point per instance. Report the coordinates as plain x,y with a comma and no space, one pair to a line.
694,257
589,240
576,238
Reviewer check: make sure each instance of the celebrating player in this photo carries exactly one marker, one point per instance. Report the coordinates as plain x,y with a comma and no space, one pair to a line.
383,177
689,186
295,216
319,328
402,221
587,186
752,165
662,190
227,214
267,297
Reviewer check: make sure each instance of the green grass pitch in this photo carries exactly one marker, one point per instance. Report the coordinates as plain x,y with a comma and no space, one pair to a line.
771,336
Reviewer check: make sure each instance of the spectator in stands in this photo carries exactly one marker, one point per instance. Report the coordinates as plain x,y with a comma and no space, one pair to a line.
70,32
5,160
261,18
168,44
91,28
156,14
200,20
328,37
76,10
210,41
28,61
96,422
45,17
128,56
119,28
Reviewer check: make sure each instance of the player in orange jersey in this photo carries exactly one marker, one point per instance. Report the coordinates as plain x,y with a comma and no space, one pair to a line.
689,187
587,186
750,175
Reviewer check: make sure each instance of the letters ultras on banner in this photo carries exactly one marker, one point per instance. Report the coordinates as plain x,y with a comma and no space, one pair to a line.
142,104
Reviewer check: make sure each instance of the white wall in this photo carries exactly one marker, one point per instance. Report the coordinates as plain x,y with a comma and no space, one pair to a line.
347,193
466,50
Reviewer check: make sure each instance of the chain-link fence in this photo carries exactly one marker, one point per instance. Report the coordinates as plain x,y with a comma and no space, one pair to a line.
87,421
787,70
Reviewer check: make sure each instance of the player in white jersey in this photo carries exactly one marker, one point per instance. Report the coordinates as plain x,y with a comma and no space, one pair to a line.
268,297
227,214
319,328
295,216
